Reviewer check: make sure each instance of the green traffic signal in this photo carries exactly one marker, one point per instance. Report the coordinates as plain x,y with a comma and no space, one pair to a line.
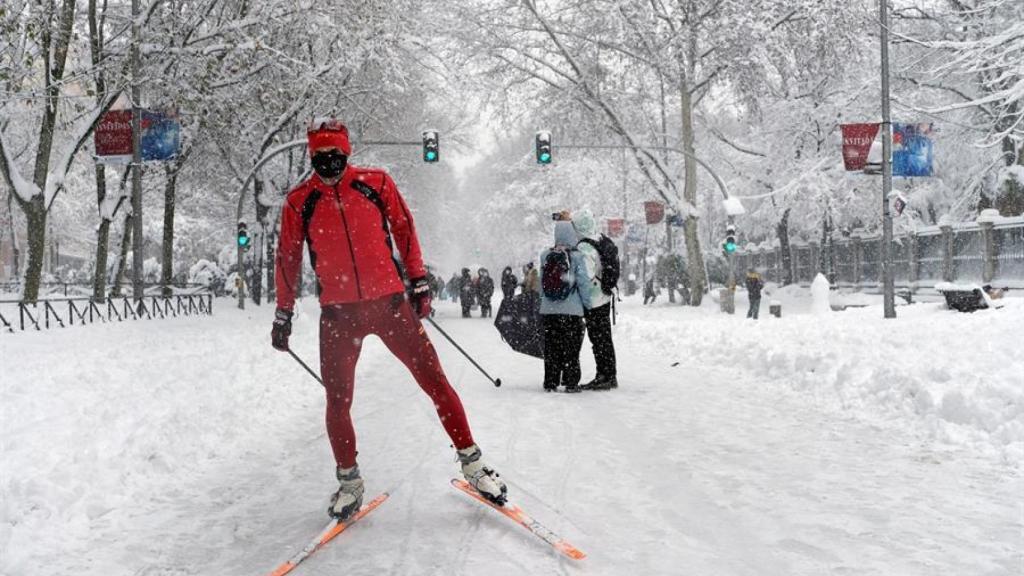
243,235
730,246
542,144
431,146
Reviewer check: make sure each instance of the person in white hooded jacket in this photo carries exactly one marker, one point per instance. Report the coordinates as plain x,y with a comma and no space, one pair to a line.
598,314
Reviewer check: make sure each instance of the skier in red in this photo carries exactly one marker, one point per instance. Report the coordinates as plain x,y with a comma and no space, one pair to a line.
354,221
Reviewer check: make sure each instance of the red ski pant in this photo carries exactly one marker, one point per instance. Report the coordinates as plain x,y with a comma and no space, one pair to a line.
342,330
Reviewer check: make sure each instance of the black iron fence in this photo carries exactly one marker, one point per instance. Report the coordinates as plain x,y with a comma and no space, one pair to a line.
66,312
982,251
77,289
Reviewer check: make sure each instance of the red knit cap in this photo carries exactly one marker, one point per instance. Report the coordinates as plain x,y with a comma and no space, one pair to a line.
328,134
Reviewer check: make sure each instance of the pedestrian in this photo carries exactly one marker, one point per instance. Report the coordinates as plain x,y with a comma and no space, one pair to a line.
439,287
484,291
338,213
754,286
508,283
650,294
531,280
563,298
601,260
466,293
453,288
431,283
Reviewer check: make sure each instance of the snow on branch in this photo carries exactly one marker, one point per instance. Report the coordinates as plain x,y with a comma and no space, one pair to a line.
24,189
79,133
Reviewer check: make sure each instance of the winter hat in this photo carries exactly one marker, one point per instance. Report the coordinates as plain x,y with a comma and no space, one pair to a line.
585,224
328,133
565,234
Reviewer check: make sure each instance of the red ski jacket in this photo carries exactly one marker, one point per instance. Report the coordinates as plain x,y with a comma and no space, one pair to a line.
349,228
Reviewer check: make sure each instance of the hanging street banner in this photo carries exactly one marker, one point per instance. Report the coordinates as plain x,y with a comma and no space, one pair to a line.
654,212
113,134
912,149
616,227
160,140
857,139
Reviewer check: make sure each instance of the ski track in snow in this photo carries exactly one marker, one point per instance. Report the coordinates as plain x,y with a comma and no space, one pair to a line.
189,447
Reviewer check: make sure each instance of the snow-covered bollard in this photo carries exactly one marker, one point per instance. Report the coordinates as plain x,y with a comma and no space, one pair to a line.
819,295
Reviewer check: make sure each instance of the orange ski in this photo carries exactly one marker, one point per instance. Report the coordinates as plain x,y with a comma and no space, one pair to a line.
333,529
516,514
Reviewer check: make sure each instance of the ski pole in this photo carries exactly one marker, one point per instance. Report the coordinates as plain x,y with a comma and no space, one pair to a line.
308,369
497,383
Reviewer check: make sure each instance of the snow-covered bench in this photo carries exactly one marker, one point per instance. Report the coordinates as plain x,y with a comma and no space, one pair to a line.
966,297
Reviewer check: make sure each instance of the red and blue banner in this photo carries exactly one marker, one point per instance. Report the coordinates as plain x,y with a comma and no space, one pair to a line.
160,139
912,149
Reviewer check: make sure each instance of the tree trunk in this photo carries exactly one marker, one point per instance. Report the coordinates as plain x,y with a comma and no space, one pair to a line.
694,258
99,278
55,52
35,215
782,231
122,259
256,290
271,295
1010,201
827,257
170,190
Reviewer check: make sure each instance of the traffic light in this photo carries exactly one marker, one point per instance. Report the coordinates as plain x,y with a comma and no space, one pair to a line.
543,143
431,148
243,236
730,239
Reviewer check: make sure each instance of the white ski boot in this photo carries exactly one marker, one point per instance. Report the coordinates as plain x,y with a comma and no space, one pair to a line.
481,476
349,497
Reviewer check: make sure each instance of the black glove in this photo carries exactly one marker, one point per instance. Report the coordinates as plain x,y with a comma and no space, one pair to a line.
419,296
282,330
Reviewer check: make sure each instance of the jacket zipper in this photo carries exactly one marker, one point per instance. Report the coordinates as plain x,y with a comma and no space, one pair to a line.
351,251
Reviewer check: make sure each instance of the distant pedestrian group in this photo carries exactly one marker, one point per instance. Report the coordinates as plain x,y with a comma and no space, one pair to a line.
471,292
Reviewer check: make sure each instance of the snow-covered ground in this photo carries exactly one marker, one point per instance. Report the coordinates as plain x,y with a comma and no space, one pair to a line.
835,444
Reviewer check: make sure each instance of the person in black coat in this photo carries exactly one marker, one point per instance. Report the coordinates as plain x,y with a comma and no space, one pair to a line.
484,291
467,292
508,283
754,286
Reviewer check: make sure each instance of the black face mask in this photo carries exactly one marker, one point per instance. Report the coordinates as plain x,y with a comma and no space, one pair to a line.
329,164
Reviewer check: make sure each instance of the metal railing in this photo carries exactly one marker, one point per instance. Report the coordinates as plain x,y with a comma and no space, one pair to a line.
969,251
66,312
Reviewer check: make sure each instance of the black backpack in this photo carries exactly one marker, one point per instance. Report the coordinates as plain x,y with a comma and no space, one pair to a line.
556,278
608,253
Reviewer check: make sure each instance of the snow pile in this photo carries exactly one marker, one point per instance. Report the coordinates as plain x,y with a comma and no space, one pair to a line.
819,295
90,435
954,377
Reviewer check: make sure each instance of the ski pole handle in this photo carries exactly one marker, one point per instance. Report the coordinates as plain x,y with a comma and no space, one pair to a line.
496,382
308,369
